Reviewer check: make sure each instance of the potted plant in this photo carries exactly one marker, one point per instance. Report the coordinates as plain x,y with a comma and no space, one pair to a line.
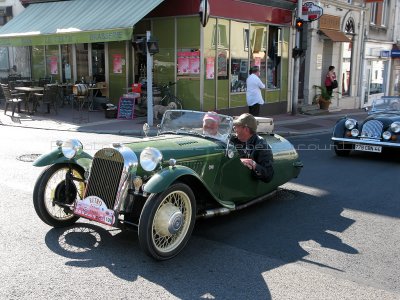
323,97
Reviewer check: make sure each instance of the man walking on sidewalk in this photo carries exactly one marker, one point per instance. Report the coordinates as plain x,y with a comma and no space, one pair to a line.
253,93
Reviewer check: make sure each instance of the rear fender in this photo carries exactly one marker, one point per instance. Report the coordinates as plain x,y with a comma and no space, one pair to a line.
56,157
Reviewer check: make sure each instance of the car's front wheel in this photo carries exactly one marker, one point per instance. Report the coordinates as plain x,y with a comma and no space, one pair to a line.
167,221
342,149
54,194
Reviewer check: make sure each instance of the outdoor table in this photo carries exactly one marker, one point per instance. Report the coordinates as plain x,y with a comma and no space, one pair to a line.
29,91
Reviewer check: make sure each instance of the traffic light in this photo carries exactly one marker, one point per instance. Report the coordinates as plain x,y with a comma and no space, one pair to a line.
140,45
299,24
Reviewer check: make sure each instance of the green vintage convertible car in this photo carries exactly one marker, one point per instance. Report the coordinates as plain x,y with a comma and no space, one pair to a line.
157,185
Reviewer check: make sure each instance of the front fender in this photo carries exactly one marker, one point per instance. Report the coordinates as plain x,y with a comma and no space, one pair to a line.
56,156
163,179
339,129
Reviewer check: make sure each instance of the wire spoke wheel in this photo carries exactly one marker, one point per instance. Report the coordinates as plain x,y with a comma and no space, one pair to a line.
52,200
55,193
169,232
167,221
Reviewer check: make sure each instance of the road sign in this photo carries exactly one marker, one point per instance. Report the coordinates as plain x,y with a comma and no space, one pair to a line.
311,12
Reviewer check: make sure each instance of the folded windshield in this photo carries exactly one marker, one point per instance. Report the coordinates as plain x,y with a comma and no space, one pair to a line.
389,103
207,124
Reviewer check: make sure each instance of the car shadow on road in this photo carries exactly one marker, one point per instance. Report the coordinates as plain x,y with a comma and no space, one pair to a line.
225,258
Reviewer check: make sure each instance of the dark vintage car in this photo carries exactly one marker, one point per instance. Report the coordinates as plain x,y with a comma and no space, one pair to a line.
157,185
381,129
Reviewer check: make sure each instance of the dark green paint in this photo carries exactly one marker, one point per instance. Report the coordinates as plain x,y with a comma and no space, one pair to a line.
56,157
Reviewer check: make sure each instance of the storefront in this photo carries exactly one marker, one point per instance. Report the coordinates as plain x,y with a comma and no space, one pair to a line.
395,76
210,65
71,40
377,71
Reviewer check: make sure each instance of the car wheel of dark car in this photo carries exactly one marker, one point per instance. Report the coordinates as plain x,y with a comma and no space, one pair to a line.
52,197
167,221
342,149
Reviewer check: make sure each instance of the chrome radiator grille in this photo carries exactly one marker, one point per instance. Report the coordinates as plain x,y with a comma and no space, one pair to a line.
105,175
372,129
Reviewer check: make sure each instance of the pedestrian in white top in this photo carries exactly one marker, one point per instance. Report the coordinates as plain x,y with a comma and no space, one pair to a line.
253,93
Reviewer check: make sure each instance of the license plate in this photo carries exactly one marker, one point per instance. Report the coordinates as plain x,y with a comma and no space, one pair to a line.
368,148
93,208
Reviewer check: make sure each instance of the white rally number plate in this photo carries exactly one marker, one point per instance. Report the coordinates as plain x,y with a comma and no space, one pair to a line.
368,148
95,209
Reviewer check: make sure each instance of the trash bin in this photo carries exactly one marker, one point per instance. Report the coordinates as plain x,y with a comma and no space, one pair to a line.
111,113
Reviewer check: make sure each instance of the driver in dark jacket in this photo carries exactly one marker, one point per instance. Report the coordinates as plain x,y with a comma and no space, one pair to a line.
254,151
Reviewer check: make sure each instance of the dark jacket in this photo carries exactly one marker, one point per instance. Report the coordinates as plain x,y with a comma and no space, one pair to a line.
258,150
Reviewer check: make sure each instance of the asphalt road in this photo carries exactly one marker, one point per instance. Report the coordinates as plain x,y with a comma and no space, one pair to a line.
332,233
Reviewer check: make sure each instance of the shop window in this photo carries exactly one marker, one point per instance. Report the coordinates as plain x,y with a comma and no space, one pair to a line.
52,63
67,63
38,62
274,50
347,58
239,67
220,36
98,62
378,77
82,63
246,38
4,62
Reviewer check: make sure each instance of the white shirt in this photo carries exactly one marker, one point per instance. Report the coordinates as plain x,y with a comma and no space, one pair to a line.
253,93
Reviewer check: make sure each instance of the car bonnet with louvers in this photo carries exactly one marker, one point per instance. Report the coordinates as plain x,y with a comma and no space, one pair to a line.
110,169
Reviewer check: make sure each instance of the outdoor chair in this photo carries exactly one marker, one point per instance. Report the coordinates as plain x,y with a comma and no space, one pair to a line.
43,81
12,99
49,97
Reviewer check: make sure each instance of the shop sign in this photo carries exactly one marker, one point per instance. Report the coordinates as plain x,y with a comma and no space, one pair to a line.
329,22
204,12
395,53
311,11
68,38
385,53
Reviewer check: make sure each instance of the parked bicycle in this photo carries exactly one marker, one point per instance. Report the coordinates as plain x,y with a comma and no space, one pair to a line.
168,97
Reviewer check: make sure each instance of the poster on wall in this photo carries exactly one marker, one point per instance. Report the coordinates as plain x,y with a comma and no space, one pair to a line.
194,62
222,63
183,62
117,63
53,65
210,67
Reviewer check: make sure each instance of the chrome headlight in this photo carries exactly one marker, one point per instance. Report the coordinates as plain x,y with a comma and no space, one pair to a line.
354,132
395,127
386,135
71,148
150,158
350,124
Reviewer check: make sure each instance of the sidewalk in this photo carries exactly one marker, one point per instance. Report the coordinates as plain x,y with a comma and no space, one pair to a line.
285,124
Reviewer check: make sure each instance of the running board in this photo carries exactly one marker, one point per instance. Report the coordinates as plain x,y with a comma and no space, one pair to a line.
224,211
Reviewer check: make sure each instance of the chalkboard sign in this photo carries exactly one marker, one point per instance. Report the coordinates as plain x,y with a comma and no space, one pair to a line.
126,108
